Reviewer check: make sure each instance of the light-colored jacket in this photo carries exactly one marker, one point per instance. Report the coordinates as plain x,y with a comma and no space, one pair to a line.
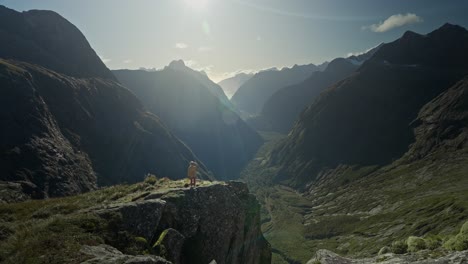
192,171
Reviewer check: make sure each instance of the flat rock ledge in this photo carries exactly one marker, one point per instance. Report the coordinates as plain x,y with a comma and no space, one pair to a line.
105,254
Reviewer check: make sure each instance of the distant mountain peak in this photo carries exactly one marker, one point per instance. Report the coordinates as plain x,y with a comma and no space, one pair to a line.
410,35
448,26
177,64
48,39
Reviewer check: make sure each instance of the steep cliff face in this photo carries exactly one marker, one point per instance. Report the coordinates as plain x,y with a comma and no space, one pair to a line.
442,123
158,222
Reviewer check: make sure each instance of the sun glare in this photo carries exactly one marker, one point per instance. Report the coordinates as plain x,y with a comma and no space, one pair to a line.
197,4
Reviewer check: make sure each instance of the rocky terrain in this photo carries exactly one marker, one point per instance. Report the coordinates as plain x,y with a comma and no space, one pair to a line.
156,221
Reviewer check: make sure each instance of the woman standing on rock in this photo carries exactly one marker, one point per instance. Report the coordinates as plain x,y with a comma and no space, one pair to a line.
192,173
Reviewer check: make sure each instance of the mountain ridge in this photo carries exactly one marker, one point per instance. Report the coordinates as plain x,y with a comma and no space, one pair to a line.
251,96
216,133
319,142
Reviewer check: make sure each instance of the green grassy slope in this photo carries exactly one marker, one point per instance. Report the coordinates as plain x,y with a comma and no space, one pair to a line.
54,230
355,211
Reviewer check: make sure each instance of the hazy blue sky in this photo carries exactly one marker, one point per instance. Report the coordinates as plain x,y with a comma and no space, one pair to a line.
225,36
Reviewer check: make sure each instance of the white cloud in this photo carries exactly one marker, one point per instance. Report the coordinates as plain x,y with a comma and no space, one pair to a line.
127,61
181,45
205,49
105,60
259,38
395,21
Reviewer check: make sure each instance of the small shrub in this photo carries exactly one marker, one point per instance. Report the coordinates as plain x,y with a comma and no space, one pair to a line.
464,229
457,243
460,241
433,242
399,247
151,179
140,245
415,244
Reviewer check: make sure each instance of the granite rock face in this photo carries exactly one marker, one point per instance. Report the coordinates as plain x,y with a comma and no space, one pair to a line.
219,222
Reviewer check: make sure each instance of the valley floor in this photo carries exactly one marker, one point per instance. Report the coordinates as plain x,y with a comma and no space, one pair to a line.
355,211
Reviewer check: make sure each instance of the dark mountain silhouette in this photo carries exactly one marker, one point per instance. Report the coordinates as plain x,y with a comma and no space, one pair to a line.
251,96
215,133
232,84
283,108
365,119
62,134
361,58
45,38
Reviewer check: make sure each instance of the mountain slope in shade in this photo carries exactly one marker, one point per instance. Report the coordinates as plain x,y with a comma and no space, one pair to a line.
365,119
62,134
442,124
213,131
283,108
45,38
232,84
201,77
251,96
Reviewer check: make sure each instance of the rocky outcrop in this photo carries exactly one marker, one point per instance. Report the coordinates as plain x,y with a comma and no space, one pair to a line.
328,257
442,124
218,222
